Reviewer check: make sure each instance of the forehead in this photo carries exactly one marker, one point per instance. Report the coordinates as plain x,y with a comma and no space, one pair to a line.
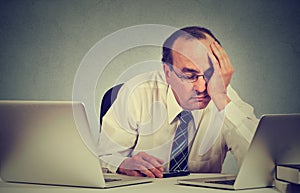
191,53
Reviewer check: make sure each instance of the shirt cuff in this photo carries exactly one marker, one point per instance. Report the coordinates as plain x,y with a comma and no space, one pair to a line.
111,162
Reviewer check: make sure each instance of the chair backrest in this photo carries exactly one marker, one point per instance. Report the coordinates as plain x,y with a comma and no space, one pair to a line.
108,99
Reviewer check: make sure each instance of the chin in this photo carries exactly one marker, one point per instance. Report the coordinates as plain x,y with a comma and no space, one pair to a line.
201,105
197,106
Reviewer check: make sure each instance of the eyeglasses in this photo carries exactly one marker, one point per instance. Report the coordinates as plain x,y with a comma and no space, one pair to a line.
188,78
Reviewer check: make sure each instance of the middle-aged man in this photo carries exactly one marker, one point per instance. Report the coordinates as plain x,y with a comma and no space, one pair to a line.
186,117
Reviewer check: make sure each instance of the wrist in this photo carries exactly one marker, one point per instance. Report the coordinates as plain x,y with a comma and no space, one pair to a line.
221,100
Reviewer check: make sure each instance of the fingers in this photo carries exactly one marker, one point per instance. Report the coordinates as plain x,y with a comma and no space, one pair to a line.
215,87
149,165
225,65
154,165
130,172
142,164
213,62
221,55
156,162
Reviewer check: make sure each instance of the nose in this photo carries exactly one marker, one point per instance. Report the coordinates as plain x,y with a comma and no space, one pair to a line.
200,85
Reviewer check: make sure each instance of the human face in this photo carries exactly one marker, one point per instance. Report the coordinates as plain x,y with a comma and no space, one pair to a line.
190,57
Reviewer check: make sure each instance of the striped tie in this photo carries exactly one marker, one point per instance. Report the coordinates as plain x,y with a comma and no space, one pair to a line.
179,153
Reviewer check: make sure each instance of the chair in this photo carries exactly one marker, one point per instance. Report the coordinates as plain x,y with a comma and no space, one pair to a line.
108,99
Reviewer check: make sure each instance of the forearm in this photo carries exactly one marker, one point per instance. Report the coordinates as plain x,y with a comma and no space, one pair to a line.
113,148
221,101
239,126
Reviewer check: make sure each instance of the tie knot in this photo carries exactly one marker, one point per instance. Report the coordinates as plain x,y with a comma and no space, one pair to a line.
185,116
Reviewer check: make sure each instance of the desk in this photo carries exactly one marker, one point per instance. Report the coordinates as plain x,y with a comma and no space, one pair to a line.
159,185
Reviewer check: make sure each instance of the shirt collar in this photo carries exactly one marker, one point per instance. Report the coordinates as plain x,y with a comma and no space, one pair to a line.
172,105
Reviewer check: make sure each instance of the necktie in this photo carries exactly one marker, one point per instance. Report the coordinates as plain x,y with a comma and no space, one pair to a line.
179,152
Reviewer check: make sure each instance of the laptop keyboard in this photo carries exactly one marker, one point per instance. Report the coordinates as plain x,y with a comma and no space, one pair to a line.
111,179
227,182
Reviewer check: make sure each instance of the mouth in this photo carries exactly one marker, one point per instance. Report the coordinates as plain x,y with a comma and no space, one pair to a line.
201,98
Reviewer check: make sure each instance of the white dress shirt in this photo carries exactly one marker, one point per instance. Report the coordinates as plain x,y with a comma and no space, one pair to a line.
144,118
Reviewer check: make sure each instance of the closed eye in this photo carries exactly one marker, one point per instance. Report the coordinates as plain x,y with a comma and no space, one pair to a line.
191,77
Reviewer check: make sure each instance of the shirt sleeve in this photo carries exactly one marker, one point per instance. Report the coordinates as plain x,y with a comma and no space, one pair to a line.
118,132
239,125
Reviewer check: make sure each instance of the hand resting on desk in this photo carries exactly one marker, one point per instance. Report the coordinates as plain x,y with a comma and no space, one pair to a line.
142,164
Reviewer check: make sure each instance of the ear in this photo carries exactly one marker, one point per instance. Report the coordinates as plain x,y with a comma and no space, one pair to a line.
167,72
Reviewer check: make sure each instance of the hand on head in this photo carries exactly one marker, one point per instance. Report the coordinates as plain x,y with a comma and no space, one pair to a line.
218,75
223,62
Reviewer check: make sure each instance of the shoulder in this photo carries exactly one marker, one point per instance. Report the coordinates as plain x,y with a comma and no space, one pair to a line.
152,76
138,94
146,82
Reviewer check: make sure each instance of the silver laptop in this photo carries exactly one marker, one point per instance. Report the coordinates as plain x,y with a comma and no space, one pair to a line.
276,141
41,144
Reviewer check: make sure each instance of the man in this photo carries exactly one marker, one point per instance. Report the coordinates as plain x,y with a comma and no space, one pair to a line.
140,133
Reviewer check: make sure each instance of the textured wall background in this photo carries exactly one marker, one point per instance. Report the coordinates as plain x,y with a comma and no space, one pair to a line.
43,42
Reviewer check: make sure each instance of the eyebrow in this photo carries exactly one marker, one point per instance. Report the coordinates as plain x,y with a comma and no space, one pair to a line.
189,70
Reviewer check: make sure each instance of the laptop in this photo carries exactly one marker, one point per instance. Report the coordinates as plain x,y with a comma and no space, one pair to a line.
276,141
40,143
